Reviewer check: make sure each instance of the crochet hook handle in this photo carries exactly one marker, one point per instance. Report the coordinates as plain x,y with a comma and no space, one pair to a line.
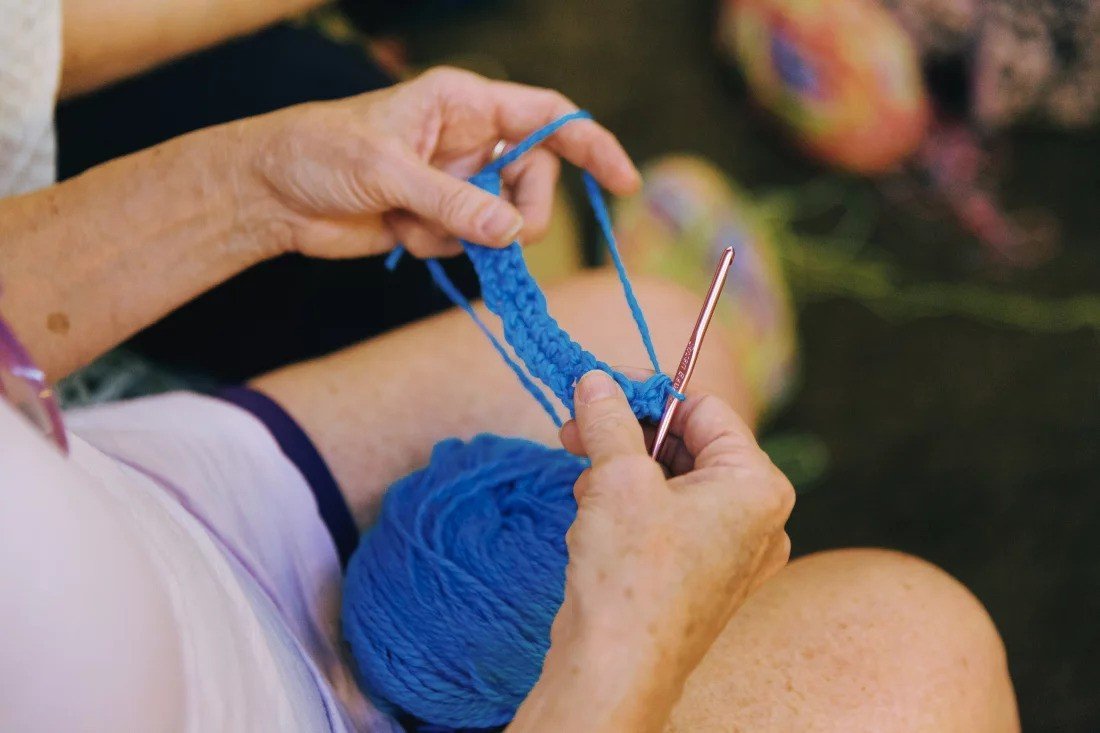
691,353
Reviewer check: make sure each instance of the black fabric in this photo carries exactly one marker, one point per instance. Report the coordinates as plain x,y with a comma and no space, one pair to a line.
396,16
281,311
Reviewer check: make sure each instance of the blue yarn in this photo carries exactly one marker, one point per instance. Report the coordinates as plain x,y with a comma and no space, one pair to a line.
439,276
511,293
449,598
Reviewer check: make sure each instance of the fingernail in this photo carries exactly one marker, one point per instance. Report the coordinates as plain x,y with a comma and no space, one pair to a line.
502,224
594,386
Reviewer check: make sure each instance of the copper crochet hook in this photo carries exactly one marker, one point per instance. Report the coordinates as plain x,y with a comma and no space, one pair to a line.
691,353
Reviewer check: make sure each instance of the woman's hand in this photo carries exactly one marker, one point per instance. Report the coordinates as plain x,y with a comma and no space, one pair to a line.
657,565
358,176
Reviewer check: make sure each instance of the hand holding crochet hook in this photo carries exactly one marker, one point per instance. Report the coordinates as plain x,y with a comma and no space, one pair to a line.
668,549
664,559
673,455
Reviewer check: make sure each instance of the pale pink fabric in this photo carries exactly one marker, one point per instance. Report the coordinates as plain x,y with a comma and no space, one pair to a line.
222,532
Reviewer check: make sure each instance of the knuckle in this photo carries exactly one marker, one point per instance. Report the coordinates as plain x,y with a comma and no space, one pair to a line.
620,484
772,500
786,492
636,469
581,485
416,248
610,489
625,472
571,536
454,205
444,75
551,162
784,548
709,401
604,424
537,228
766,498
561,100
557,102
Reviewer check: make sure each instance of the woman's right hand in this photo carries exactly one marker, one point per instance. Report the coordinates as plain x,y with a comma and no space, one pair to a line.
657,565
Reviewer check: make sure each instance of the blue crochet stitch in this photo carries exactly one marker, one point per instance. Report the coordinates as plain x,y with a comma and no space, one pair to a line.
511,293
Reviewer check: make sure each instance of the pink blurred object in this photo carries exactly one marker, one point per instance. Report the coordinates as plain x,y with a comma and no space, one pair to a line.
23,385
845,77
841,75
1033,60
957,167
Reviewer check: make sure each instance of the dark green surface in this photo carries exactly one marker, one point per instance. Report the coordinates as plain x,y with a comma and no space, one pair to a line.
961,419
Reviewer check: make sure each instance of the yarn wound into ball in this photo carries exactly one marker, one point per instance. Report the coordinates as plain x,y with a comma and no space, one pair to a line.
449,597
451,594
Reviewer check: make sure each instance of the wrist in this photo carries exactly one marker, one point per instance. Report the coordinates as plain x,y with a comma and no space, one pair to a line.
260,228
594,682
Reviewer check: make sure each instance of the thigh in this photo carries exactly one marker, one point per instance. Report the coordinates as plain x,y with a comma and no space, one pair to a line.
853,641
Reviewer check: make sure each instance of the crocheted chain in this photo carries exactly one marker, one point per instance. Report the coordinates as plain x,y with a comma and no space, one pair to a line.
511,293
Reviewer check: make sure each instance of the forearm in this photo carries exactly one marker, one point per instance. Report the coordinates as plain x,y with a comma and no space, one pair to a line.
600,685
89,262
107,40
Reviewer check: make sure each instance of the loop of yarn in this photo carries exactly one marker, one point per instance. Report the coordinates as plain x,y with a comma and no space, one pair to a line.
449,598
513,295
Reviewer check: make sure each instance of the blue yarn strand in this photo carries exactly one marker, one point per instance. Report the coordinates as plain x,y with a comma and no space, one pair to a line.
599,208
536,138
443,282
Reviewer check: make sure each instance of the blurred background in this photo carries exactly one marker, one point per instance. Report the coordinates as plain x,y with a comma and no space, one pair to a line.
929,171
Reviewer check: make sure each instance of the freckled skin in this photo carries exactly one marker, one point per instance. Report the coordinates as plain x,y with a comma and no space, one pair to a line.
853,641
57,323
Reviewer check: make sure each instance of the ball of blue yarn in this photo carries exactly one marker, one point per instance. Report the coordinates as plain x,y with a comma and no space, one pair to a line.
449,598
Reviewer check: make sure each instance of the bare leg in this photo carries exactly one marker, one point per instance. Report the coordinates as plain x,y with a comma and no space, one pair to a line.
854,641
376,410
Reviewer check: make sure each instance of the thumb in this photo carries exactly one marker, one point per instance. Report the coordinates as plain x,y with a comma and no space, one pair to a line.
461,208
605,422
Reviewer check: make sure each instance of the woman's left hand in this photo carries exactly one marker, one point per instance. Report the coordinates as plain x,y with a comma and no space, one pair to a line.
358,176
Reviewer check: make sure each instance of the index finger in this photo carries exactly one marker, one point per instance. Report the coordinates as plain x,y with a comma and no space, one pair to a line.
606,425
520,110
711,431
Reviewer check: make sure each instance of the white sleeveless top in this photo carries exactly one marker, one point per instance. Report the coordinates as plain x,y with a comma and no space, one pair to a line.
30,70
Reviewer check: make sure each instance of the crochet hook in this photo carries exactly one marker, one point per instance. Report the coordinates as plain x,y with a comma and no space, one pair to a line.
691,353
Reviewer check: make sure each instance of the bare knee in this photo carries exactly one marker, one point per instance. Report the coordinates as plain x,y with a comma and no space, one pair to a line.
854,640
